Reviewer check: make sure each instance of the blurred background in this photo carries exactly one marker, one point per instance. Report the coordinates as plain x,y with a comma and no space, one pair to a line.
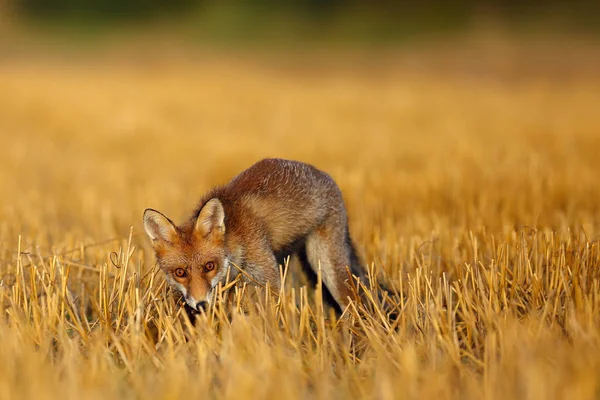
420,110
300,23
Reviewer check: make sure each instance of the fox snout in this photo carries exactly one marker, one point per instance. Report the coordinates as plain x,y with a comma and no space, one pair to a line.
195,291
198,305
196,295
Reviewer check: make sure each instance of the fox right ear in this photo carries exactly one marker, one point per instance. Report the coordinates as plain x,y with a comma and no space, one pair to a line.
158,227
211,218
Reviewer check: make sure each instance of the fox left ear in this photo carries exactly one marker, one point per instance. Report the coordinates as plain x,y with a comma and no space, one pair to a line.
158,227
211,218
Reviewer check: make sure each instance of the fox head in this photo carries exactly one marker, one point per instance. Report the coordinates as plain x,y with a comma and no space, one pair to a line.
192,256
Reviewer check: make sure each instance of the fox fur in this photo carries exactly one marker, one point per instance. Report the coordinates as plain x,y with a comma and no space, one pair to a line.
273,209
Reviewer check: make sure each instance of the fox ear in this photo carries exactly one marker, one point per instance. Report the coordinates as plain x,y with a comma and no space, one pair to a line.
158,227
211,218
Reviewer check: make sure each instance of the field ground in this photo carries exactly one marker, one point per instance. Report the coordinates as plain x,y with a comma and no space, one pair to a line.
475,194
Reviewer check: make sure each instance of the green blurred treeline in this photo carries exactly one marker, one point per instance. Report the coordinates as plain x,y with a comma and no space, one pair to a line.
373,19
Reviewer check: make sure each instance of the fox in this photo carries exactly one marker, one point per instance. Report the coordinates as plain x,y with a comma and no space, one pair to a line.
274,209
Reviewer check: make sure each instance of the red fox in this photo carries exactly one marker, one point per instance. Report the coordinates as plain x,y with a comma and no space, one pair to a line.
271,210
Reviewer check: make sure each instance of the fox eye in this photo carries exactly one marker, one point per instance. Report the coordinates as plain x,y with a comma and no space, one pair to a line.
209,266
180,272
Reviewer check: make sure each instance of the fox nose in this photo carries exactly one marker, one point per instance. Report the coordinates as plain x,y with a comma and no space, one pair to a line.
201,305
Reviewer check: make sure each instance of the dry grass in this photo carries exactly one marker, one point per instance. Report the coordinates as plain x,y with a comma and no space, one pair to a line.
477,198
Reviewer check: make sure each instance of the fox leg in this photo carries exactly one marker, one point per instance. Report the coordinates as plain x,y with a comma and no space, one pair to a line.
263,269
312,277
328,248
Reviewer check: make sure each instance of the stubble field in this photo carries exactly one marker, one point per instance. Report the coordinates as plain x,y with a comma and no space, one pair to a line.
475,195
